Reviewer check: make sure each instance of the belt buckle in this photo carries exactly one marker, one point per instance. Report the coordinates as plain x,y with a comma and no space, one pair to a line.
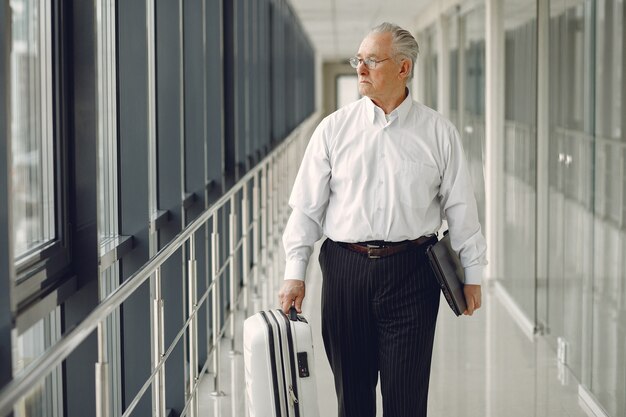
369,251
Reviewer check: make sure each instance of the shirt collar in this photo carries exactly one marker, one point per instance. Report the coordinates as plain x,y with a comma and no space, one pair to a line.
402,110
371,109
404,107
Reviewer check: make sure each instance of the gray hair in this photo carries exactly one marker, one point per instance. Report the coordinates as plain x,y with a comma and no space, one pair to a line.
402,42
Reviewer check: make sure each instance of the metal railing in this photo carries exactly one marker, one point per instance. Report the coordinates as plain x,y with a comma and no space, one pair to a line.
254,228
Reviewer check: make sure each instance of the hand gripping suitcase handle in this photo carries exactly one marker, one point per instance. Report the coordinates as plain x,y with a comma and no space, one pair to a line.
293,314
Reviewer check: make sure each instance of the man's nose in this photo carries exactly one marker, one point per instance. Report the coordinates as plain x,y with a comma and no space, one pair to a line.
361,68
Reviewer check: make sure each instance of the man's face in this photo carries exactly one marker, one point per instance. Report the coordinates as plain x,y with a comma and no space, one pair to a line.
384,80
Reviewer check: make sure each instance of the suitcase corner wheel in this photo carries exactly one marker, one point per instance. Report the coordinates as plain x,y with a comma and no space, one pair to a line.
279,365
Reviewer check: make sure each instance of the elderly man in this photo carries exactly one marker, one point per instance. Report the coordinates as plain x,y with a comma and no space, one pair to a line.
377,178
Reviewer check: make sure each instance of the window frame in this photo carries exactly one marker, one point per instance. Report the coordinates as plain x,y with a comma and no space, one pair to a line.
43,270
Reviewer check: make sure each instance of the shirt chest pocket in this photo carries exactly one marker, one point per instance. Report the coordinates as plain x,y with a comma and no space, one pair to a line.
416,183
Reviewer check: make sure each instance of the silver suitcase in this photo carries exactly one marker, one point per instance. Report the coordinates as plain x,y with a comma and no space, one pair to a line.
278,357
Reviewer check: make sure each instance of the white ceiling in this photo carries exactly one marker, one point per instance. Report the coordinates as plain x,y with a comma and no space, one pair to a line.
337,27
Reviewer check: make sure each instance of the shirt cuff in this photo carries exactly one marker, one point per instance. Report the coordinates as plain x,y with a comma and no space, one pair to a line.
474,274
295,270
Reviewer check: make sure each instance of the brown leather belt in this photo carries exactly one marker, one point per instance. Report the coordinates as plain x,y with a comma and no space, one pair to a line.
380,249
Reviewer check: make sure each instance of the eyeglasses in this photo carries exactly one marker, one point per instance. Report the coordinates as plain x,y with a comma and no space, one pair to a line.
370,63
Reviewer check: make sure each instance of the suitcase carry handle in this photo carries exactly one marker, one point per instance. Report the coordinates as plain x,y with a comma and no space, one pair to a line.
293,314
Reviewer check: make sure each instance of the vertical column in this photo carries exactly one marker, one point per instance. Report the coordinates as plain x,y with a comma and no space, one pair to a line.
156,316
7,271
623,69
543,162
108,381
542,181
184,214
494,132
589,127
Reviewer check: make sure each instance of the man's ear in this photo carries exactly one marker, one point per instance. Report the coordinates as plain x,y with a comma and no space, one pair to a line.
405,69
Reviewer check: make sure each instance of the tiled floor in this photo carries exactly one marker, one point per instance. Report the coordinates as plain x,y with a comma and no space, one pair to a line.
483,366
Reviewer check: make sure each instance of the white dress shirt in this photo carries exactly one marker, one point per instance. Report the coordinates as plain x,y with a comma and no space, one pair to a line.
367,177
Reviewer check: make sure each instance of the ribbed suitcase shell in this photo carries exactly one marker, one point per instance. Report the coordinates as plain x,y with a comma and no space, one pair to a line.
277,352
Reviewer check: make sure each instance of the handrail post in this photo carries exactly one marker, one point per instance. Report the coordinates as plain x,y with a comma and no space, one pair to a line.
264,214
256,229
274,218
262,267
282,203
102,375
245,249
282,180
215,310
277,218
158,345
232,230
269,231
278,180
192,305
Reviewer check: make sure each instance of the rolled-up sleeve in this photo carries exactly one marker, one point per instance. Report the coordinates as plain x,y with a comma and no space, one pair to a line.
459,205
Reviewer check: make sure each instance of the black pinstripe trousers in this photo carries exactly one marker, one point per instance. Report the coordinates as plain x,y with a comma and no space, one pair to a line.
379,315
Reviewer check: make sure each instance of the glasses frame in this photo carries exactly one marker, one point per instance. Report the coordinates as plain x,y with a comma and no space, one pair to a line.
370,63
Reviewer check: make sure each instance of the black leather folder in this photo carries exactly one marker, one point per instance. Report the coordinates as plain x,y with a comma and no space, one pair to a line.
449,272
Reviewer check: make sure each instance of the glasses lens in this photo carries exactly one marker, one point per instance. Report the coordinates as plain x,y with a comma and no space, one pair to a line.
354,62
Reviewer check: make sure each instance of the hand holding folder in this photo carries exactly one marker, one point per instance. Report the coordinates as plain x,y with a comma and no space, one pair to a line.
449,273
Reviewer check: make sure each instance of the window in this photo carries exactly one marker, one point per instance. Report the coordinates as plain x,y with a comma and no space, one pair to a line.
31,126
37,151
347,90
38,252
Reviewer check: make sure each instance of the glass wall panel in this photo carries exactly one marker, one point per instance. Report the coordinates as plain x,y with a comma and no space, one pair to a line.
471,95
429,56
31,125
453,77
571,161
520,25
608,368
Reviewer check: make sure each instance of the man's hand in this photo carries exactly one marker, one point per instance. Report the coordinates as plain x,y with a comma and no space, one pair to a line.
291,291
472,298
